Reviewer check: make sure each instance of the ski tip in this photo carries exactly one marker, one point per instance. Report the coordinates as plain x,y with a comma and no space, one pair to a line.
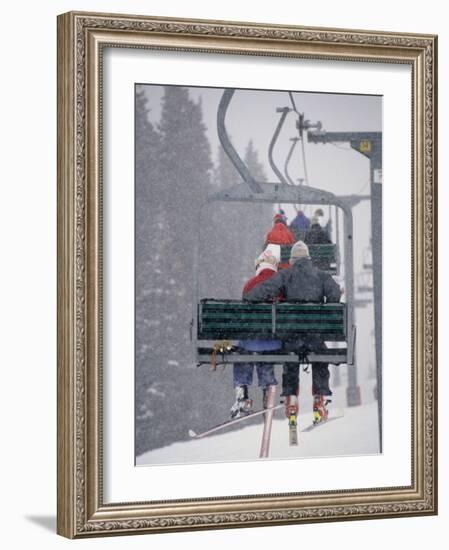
192,433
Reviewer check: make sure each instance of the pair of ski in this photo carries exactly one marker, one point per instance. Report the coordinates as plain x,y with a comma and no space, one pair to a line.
227,423
292,424
268,413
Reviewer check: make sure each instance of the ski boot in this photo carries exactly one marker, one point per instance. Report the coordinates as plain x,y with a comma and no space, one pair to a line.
291,405
291,412
320,412
243,405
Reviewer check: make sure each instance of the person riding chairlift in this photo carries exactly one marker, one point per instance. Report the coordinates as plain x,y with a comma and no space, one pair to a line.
303,282
316,234
300,225
266,266
280,234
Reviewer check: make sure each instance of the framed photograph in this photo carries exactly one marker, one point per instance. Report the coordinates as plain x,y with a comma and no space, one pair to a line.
246,274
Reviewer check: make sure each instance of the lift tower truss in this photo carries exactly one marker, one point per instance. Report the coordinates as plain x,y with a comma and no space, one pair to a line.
368,144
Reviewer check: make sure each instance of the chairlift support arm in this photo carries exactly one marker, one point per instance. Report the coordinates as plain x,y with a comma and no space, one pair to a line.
368,144
284,112
300,194
229,149
278,192
287,160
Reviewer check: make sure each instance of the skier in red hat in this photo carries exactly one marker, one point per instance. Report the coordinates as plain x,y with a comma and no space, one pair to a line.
280,234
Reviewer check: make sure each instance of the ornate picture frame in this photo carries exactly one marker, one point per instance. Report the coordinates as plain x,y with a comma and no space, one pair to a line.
82,509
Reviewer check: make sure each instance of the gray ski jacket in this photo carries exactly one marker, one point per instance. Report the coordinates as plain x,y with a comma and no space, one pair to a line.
302,282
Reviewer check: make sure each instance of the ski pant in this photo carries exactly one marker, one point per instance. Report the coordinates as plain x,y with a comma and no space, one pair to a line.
320,379
320,371
243,374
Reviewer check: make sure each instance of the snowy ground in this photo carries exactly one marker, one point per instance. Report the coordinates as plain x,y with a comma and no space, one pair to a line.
356,433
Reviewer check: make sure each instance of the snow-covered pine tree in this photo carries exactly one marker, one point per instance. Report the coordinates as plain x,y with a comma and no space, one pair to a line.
237,229
173,176
174,395
221,242
186,161
150,287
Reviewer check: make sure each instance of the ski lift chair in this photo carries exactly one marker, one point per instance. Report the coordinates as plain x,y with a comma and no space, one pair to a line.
222,323
218,325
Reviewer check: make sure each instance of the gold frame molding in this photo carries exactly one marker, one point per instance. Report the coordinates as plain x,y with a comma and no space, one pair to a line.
81,37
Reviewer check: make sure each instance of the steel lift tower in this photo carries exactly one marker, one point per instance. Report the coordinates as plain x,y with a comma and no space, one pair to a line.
368,144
